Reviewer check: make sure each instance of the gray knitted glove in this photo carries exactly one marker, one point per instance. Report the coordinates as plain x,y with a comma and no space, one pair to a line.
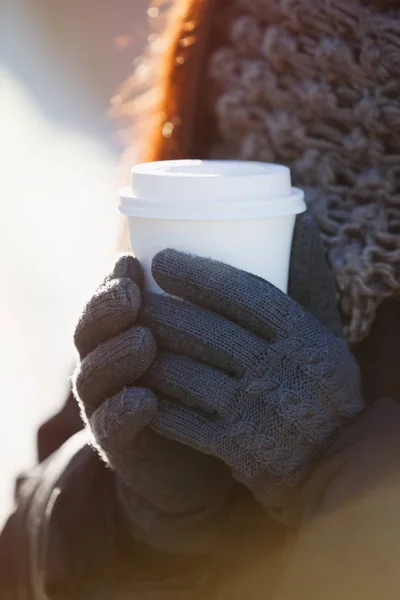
158,480
247,374
114,353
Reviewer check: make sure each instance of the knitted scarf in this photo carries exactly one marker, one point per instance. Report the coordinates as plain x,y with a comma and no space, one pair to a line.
315,84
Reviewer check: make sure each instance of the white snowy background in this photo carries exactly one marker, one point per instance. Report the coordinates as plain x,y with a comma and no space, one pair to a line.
58,202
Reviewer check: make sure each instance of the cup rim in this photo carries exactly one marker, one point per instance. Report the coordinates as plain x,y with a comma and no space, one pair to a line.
133,206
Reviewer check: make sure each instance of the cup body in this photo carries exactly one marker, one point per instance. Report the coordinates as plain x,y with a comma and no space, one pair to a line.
259,246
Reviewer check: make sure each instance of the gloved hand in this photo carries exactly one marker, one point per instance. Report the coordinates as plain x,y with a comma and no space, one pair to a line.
247,375
165,487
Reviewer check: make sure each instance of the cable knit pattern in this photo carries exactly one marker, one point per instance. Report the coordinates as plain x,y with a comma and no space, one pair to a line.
260,383
316,85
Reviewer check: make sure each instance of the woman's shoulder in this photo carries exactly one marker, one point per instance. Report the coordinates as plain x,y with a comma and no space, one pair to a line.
59,428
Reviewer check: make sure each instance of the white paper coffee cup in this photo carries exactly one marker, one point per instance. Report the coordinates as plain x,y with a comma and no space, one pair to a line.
241,213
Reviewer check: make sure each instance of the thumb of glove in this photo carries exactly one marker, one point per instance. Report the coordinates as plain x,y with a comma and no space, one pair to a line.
311,280
116,423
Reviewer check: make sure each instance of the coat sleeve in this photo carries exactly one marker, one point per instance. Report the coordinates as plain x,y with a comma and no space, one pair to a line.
53,536
67,538
347,541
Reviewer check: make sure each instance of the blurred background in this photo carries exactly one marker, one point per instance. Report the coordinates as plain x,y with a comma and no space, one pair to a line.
60,64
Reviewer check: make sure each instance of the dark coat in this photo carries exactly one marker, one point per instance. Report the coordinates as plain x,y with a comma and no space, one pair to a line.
68,537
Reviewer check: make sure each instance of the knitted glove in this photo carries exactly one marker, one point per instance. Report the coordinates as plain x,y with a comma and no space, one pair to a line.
158,480
247,374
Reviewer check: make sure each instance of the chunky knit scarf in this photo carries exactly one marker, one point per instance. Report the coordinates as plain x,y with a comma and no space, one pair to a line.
315,84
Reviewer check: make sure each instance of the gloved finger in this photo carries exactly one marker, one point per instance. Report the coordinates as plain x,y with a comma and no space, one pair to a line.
193,383
113,365
174,477
187,426
118,420
168,475
246,299
311,280
127,267
113,309
186,329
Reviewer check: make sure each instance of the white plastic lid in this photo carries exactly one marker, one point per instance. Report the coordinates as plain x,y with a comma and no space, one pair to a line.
210,190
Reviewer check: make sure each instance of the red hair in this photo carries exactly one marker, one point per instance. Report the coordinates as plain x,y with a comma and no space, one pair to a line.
167,115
